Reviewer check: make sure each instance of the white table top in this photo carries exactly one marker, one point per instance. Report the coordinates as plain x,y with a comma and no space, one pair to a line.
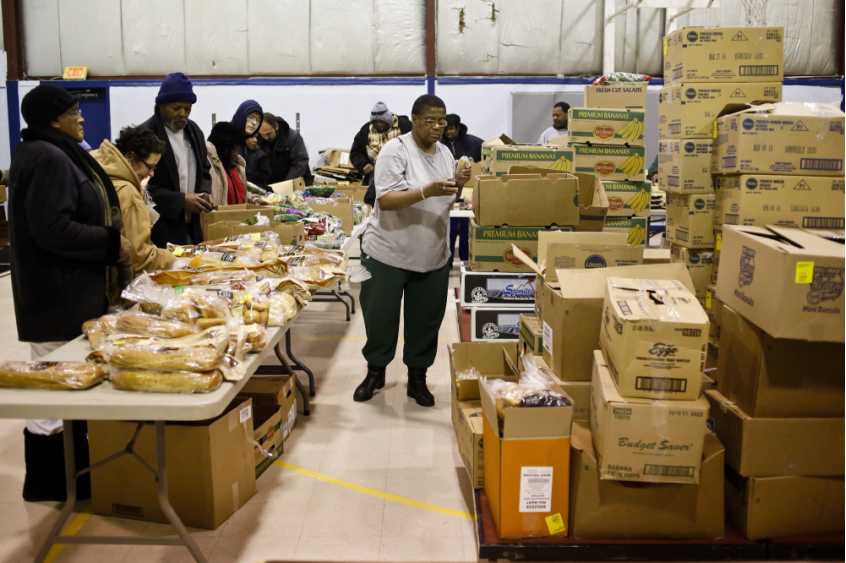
104,402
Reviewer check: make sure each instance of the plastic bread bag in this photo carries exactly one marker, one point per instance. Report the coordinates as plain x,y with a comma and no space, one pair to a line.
197,307
147,293
471,374
187,277
58,376
256,338
199,352
98,330
152,381
132,322
283,308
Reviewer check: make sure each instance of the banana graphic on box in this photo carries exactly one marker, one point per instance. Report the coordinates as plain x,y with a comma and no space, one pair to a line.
641,201
633,166
633,131
561,165
637,235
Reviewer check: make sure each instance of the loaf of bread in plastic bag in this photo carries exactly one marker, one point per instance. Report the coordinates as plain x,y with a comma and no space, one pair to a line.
152,381
51,375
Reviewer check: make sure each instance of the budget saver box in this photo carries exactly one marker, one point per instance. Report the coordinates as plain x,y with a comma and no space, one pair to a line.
607,126
500,159
796,139
808,202
571,314
603,509
788,282
619,95
628,198
211,468
655,337
527,467
769,447
496,289
770,377
690,220
724,54
527,200
691,108
610,162
684,166
645,440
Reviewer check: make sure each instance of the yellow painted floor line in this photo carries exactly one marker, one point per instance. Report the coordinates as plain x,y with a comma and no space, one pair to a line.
72,528
374,492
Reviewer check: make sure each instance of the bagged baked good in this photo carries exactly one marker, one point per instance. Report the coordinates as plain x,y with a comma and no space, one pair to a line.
283,308
97,330
200,352
59,376
153,381
196,306
190,277
132,322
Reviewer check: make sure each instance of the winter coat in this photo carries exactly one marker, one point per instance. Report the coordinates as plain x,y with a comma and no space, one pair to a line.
358,153
134,211
220,180
465,145
61,248
283,159
164,187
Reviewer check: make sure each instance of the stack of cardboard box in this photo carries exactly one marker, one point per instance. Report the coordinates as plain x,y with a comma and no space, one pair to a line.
780,404
706,70
608,138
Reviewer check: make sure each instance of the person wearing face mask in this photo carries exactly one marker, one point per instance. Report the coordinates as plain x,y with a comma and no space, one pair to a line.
69,260
405,250
130,162
181,189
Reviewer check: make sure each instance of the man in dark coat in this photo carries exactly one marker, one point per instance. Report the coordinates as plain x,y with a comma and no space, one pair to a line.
383,126
282,154
459,142
69,259
181,187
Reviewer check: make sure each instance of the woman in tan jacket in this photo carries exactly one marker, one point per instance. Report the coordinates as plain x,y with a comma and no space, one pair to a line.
129,165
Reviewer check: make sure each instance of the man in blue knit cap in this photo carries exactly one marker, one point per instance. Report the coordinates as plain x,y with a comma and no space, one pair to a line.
181,187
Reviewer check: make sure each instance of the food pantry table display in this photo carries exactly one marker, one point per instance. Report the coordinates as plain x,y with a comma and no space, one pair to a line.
195,335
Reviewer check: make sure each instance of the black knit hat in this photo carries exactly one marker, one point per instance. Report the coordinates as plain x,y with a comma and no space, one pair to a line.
44,104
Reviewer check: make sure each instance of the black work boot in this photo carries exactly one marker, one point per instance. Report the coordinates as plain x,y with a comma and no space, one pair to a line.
417,389
375,380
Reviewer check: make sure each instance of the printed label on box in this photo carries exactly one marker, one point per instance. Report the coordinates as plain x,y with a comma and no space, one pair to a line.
536,489
246,414
547,337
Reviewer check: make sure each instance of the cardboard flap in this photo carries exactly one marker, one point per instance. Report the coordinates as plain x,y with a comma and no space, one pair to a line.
510,363
590,284
537,422
525,259
808,241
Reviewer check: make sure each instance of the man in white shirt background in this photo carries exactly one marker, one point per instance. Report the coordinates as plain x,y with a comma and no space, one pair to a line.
559,124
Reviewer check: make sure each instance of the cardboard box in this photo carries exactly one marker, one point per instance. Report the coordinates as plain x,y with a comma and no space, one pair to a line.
767,447
607,126
607,510
210,468
656,256
496,289
579,391
700,264
690,220
645,440
788,282
691,108
634,227
491,248
788,201
571,314
714,308
468,434
531,335
342,208
288,186
724,54
497,323
273,398
769,377
527,468
527,200
622,95
610,162
772,507
628,198
228,221
354,191
684,166
489,358
796,139
500,159
593,201
655,337
562,250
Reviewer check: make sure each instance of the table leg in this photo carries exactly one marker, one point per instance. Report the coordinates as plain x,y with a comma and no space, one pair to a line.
164,501
70,484
351,298
300,387
343,302
298,365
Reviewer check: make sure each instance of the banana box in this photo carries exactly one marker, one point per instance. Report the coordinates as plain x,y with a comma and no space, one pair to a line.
635,228
610,162
607,126
628,198
501,158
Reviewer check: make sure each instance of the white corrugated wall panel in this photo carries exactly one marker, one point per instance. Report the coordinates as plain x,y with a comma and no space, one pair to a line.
90,32
638,40
342,36
529,36
41,37
278,36
469,49
582,31
400,28
153,36
216,36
